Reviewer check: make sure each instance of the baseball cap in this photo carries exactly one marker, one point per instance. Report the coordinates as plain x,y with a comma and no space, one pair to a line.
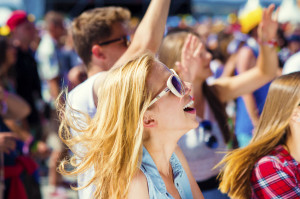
17,18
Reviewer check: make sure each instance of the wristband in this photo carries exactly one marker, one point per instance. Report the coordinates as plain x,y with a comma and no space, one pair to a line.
271,43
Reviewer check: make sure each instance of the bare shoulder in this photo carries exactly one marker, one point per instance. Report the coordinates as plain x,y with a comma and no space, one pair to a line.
138,186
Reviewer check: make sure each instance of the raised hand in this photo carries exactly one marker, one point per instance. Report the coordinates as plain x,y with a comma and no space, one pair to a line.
267,28
190,57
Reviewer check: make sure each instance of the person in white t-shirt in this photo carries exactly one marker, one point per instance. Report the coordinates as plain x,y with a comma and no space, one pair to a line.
101,40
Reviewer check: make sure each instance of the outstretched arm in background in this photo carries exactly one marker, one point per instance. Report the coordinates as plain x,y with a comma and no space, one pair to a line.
266,67
13,106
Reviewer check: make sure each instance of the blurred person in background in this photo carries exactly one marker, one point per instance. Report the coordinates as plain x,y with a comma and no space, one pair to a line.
269,166
19,174
8,58
53,69
50,58
27,84
249,106
101,40
27,81
188,56
8,80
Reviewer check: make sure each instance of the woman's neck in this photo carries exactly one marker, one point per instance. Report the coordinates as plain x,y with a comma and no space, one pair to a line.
293,142
161,155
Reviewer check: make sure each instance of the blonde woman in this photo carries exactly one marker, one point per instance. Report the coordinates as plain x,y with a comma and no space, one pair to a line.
188,56
269,166
143,110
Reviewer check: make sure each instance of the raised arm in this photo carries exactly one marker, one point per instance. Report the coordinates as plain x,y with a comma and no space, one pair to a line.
266,67
13,106
149,33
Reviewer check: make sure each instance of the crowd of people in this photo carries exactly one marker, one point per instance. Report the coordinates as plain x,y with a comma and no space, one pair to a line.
196,111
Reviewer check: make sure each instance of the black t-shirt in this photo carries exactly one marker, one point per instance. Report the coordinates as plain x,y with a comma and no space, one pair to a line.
28,83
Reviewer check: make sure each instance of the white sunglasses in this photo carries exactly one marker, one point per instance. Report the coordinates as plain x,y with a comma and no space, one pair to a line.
174,84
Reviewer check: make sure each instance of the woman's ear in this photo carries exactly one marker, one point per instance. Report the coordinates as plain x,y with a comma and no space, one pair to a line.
149,121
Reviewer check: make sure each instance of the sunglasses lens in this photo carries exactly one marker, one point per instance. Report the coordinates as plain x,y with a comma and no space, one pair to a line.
177,85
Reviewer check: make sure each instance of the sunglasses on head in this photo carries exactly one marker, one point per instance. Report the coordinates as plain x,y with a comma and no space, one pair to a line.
174,84
125,39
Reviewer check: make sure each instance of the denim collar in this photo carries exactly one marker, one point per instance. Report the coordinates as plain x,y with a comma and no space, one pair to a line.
151,169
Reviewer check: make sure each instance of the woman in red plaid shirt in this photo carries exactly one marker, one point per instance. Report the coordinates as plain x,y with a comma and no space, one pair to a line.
269,167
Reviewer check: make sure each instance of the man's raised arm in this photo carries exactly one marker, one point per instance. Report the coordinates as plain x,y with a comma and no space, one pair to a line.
149,33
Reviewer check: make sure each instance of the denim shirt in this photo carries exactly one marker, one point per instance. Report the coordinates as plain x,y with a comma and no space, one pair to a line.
156,186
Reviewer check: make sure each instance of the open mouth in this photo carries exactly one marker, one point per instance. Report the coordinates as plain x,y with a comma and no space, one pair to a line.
188,108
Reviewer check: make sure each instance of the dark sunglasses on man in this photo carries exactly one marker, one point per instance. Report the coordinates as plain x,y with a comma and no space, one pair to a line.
125,39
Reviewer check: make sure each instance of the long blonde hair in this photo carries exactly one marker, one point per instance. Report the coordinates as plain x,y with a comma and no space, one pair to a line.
113,138
271,131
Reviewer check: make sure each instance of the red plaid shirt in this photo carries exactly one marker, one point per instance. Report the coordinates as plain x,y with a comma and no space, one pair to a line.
276,176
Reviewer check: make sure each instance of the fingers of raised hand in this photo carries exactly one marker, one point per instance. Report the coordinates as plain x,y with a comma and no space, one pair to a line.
267,14
199,49
270,10
187,45
194,43
275,16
